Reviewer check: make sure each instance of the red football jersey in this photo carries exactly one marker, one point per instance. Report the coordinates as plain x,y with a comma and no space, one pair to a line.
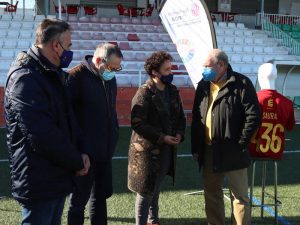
277,115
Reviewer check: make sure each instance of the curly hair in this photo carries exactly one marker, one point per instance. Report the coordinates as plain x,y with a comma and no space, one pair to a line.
155,61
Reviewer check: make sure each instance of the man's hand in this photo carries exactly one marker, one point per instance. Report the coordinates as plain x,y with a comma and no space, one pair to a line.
86,163
170,140
178,136
196,157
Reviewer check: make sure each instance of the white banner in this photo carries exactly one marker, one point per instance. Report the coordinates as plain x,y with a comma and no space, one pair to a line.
191,29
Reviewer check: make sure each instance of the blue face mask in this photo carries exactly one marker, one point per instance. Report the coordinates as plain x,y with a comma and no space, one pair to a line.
167,79
209,74
108,75
65,58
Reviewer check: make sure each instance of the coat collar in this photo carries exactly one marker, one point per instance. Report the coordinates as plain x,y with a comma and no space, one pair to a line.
87,62
165,115
231,79
151,86
35,53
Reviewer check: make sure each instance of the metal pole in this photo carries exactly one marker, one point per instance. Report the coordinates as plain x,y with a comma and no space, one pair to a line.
263,186
140,78
35,8
59,9
262,6
23,8
275,193
46,7
285,77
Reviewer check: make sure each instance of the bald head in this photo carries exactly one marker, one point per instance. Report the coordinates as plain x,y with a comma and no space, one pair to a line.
216,60
216,55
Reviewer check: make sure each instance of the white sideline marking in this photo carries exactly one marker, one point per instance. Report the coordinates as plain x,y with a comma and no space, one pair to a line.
178,156
189,155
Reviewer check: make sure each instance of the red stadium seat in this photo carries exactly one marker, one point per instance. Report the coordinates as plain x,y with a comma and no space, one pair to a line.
148,11
72,9
132,37
63,10
122,11
124,46
11,8
113,42
175,67
133,12
88,10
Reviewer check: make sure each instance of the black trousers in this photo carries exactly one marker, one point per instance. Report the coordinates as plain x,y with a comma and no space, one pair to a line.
96,186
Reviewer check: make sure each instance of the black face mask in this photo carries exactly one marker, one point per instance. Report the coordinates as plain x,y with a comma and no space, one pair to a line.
65,58
167,79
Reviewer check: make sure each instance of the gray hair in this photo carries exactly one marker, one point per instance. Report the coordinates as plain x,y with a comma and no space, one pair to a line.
106,50
49,30
218,55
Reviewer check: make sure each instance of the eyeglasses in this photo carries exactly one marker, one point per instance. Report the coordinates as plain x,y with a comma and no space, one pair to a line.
110,69
61,46
113,69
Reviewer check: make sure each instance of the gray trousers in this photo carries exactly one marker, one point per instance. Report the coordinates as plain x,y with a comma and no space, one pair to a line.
146,206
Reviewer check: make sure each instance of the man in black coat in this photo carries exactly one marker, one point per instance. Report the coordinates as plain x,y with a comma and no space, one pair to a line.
93,86
42,137
225,116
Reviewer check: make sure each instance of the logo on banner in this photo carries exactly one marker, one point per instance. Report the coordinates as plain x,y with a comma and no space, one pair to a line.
185,49
195,10
190,27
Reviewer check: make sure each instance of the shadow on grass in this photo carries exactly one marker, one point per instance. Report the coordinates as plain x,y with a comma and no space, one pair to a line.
163,221
267,220
187,174
188,177
271,221
202,221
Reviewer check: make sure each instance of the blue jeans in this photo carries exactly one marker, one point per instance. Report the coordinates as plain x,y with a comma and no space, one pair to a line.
44,212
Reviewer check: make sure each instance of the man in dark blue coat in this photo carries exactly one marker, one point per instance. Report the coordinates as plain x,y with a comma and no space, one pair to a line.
42,137
93,86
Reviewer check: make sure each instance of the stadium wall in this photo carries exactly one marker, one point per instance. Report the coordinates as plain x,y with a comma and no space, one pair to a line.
124,97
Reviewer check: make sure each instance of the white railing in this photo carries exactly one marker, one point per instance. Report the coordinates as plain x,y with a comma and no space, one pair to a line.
140,76
247,19
284,39
278,19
